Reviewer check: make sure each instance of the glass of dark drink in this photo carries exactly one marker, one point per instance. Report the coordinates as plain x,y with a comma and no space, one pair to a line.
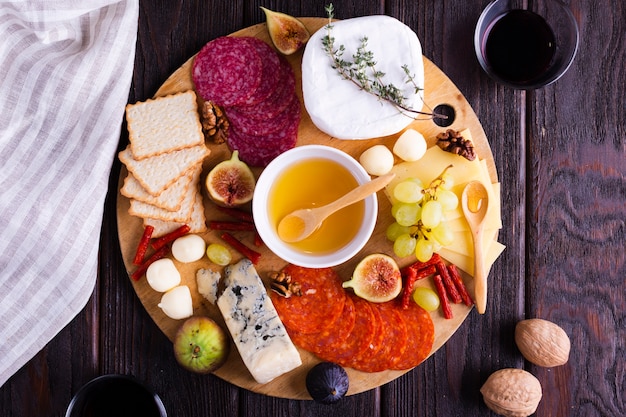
115,396
526,44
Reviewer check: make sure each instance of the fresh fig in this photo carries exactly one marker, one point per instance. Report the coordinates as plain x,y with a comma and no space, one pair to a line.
327,382
201,345
231,183
288,34
376,278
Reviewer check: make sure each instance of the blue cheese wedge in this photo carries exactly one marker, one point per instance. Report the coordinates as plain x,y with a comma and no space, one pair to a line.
259,334
340,108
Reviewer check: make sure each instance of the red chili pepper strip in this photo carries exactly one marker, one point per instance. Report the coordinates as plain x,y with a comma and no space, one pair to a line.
143,245
412,276
170,237
245,251
237,213
455,297
434,260
235,226
443,297
144,266
257,239
458,282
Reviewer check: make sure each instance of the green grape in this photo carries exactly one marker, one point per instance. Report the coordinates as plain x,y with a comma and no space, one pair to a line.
404,245
426,298
423,249
218,254
408,214
432,213
408,192
449,200
394,230
447,181
443,234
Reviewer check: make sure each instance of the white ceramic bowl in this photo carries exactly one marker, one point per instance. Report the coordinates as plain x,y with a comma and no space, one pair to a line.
267,230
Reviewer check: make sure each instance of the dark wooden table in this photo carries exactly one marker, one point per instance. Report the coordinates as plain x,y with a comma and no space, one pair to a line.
561,157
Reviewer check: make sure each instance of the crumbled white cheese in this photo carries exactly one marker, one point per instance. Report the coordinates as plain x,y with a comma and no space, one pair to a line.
208,282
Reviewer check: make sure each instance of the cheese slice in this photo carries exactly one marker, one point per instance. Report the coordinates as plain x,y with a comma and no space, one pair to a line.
258,333
342,109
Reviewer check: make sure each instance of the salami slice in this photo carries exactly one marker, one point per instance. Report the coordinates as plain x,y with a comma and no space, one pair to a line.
330,340
393,345
261,150
363,334
241,122
269,79
321,302
278,100
228,70
420,337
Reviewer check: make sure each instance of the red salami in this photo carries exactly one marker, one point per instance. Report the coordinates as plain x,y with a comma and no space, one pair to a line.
261,150
271,67
228,70
364,332
393,345
321,302
330,340
278,99
420,337
242,123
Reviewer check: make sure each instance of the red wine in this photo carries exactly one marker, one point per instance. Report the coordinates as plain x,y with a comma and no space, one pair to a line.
520,46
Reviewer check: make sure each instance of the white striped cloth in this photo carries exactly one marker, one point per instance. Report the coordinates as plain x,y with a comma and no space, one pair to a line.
65,73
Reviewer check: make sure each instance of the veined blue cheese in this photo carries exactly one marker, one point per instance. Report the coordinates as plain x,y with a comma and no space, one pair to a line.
259,334
340,108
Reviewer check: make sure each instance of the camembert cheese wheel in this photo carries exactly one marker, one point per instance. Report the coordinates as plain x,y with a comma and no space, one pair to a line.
339,107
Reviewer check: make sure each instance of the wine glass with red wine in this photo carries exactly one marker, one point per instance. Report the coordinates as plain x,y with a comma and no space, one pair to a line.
526,44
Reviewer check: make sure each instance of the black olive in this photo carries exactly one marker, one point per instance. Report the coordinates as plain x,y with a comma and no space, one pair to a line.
327,382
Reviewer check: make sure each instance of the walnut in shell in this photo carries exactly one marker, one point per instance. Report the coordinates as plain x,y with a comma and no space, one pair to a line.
512,392
542,342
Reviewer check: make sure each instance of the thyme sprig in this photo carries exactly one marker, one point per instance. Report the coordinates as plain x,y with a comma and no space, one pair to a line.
363,73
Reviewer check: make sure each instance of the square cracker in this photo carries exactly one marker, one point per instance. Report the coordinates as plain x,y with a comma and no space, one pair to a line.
183,215
158,172
170,199
164,124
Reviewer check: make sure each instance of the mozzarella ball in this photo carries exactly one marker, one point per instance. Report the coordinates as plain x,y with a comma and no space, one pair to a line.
377,160
177,303
410,146
188,248
162,275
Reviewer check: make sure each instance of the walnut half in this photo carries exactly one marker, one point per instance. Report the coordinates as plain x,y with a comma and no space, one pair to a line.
214,123
282,284
454,141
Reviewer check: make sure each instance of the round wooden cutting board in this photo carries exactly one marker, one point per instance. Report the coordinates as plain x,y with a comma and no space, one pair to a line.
438,90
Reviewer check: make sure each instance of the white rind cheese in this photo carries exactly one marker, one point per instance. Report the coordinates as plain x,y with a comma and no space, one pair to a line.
340,108
259,334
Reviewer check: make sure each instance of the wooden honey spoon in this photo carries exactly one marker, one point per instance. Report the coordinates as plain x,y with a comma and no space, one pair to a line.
475,202
300,224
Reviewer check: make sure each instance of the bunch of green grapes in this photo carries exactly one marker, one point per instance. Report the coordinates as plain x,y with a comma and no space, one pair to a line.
420,227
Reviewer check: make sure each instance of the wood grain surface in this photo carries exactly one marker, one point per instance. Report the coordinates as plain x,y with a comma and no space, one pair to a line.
560,154
438,90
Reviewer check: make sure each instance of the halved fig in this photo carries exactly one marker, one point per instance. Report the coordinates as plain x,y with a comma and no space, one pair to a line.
376,278
231,183
287,33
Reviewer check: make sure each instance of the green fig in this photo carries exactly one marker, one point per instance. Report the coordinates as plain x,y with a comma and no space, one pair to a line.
201,345
287,33
376,278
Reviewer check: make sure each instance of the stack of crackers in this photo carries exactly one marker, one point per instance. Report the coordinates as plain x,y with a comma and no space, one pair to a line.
164,163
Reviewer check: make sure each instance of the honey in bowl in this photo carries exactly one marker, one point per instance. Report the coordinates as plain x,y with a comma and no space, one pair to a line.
311,183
